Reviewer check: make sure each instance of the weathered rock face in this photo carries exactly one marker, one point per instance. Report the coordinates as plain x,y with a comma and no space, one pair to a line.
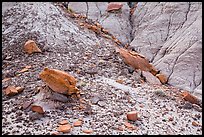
170,36
117,22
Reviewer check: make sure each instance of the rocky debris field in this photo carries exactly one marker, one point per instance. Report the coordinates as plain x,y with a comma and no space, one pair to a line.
109,89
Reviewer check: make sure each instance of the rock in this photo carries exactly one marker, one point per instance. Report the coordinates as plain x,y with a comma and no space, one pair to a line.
120,81
95,100
6,79
162,78
63,122
37,108
171,118
136,61
192,99
150,78
129,126
20,89
88,131
132,115
112,6
11,91
59,81
64,128
31,47
101,103
195,124
77,123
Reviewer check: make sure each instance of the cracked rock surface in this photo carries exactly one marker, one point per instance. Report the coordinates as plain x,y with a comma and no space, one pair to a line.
92,60
169,34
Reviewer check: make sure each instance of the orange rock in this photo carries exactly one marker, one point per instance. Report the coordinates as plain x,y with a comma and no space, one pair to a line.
77,123
162,78
195,124
10,91
20,89
120,81
23,70
192,99
6,79
132,116
114,6
136,61
64,128
37,108
31,47
128,125
88,131
63,122
59,81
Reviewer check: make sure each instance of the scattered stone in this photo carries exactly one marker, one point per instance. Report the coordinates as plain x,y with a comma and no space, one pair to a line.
64,128
132,115
6,79
8,58
197,107
77,123
195,124
101,103
171,118
11,91
192,99
63,122
20,89
113,6
120,81
37,108
88,131
23,70
95,100
129,126
162,78
150,78
31,47
59,81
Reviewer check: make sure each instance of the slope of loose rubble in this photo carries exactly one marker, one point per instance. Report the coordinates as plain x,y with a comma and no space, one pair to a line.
92,60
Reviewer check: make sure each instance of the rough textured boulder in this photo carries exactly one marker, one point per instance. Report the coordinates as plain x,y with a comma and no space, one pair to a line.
170,36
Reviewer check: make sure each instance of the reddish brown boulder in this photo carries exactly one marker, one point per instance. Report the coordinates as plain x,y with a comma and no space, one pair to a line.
59,81
114,6
37,108
31,47
162,78
133,116
64,128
